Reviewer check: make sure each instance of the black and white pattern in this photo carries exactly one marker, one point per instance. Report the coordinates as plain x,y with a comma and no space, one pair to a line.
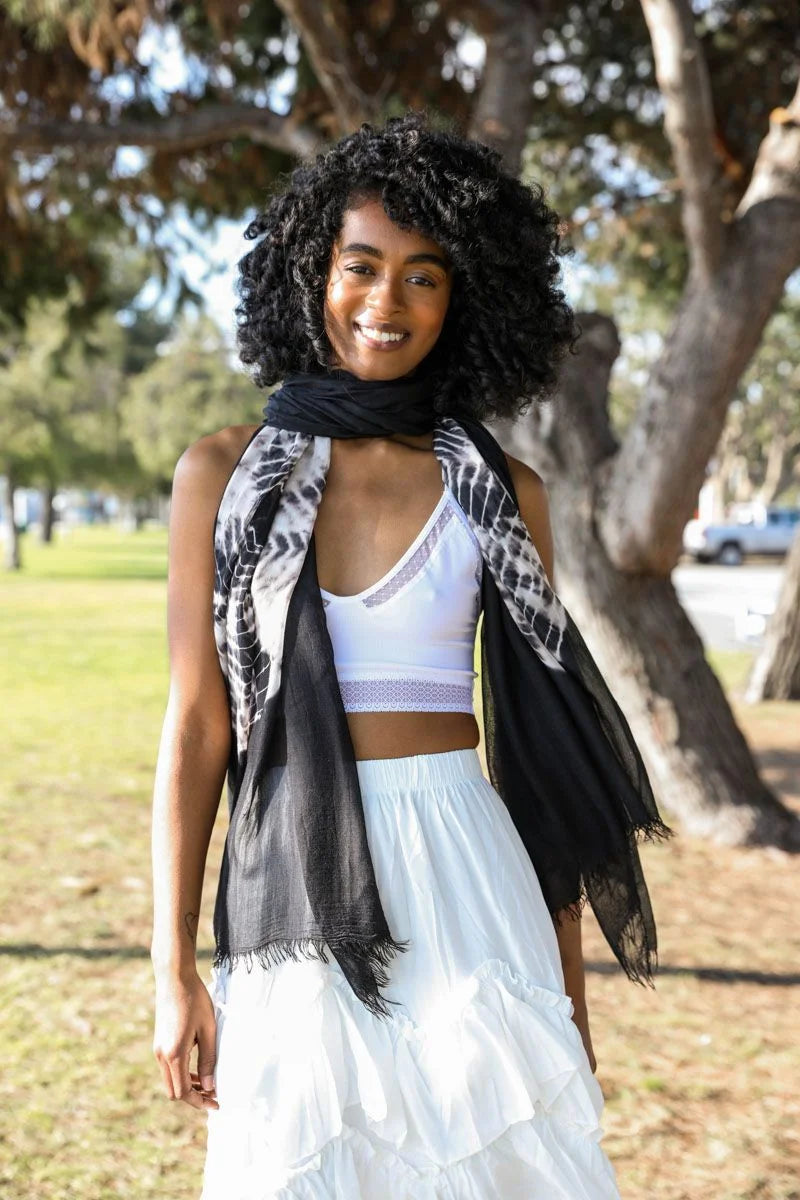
296,874
260,548
505,543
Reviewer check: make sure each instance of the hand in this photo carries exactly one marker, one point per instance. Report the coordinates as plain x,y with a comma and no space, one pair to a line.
184,1017
581,1018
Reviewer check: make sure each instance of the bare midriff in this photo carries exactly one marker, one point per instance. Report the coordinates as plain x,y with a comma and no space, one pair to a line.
398,734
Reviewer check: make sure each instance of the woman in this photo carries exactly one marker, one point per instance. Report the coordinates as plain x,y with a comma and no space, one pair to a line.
400,278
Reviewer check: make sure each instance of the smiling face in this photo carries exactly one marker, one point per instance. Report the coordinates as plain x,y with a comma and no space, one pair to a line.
386,296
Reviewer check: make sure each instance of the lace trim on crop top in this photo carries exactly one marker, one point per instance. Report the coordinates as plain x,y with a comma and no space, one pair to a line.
442,631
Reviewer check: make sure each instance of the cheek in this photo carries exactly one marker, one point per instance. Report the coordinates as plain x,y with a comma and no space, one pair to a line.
335,294
436,313
336,320
340,303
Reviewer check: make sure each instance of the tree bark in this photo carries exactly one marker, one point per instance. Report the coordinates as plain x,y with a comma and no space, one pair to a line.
699,761
324,29
511,31
11,554
619,510
776,671
685,88
48,496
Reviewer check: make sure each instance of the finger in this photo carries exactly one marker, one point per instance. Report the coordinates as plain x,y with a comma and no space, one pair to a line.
207,1053
181,1082
198,1086
209,1099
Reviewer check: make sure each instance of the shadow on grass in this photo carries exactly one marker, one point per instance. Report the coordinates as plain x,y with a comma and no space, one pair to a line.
711,974
36,950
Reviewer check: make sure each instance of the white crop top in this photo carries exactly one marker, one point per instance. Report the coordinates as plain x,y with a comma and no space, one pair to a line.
406,643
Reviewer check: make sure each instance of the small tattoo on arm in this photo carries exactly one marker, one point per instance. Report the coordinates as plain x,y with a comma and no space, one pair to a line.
190,920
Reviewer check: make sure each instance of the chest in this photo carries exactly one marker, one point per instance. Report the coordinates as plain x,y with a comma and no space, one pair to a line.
367,525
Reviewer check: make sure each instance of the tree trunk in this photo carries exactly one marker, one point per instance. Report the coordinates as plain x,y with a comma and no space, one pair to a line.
774,471
698,759
48,495
12,560
696,755
619,510
776,671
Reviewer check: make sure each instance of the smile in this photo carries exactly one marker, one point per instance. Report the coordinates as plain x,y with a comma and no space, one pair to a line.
379,339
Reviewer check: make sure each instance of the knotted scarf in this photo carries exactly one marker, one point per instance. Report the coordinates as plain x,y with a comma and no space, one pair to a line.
297,878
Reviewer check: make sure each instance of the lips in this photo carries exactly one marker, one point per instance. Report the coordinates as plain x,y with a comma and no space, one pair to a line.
371,335
381,326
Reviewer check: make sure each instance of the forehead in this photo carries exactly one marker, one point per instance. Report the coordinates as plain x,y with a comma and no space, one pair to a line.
369,223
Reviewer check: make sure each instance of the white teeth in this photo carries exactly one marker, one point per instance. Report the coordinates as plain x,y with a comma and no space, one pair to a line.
378,335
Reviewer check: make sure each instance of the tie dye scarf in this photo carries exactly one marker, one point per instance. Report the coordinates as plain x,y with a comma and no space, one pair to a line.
296,878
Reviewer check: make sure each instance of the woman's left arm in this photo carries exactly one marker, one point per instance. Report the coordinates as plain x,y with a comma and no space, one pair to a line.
535,512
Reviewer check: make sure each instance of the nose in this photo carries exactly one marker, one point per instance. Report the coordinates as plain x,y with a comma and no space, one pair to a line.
385,296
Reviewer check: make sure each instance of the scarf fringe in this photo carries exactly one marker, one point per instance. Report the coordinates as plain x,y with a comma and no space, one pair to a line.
367,961
641,968
653,830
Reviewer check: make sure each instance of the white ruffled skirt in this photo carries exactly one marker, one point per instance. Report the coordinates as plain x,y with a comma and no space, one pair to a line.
477,1088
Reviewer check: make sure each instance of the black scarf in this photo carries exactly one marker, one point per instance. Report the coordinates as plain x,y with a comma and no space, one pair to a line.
296,875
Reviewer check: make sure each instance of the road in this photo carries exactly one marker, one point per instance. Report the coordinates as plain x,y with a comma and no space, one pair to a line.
717,599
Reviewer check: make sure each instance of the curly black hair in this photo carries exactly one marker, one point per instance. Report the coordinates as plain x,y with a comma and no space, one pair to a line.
507,324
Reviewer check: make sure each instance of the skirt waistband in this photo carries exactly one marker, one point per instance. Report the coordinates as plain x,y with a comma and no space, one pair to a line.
419,770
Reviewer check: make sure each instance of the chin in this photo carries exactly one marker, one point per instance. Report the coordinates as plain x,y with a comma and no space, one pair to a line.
387,367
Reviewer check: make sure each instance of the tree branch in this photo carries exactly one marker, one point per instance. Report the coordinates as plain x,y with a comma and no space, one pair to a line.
777,167
661,466
571,434
187,131
685,87
579,430
322,27
511,30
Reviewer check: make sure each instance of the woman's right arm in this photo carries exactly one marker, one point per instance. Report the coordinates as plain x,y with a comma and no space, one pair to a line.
190,772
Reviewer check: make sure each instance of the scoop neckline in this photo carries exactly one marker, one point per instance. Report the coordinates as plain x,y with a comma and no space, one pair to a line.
401,562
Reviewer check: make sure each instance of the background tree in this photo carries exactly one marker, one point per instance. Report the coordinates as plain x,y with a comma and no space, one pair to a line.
776,670
63,377
671,138
759,452
188,391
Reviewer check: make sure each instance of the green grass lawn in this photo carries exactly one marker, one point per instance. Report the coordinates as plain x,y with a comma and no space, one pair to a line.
83,693
81,1109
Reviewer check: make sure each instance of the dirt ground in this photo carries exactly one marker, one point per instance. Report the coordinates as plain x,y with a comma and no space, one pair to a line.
702,1074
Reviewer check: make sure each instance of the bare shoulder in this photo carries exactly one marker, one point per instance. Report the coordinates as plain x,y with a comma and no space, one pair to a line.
526,480
205,466
534,508
201,474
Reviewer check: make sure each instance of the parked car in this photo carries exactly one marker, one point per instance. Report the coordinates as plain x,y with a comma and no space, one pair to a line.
771,533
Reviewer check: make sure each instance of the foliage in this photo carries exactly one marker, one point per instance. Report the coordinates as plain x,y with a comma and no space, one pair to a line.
188,391
764,417
159,71
62,381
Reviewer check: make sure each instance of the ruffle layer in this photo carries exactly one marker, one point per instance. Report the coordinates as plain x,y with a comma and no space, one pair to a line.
491,1095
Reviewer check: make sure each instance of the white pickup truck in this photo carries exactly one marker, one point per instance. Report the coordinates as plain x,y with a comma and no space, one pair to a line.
772,533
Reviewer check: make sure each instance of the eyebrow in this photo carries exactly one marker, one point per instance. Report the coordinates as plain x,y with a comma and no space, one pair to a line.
363,248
